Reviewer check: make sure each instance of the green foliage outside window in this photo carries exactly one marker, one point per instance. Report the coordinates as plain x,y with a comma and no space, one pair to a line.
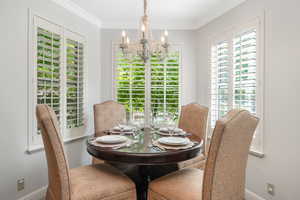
130,84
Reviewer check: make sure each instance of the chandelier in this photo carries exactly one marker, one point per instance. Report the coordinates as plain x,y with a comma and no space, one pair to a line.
145,47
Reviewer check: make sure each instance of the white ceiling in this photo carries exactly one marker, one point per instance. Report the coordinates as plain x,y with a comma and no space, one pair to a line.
171,14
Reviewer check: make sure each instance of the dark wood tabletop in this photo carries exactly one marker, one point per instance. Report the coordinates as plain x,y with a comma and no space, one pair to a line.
142,152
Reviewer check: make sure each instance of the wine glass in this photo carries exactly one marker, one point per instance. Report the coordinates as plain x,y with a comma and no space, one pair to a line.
171,124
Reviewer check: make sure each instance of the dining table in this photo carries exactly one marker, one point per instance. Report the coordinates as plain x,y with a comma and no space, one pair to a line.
144,154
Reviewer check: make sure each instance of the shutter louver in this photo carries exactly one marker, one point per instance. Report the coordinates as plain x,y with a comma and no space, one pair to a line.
48,69
75,87
220,75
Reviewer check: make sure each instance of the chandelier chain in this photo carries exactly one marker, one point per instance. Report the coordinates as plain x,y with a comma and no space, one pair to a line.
145,7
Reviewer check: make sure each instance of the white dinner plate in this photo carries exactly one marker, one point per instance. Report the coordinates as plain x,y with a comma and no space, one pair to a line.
183,133
111,139
175,141
123,128
169,129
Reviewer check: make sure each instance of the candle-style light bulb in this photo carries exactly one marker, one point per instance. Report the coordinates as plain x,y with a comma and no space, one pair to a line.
163,39
123,36
123,33
127,40
143,28
166,33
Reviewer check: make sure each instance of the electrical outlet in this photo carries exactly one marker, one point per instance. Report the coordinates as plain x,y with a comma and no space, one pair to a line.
20,184
270,189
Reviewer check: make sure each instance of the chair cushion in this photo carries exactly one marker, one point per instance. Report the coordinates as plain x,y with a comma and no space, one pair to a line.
100,182
181,185
197,162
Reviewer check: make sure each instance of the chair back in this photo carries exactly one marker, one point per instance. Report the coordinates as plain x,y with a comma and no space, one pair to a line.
58,168
224,175
193,119
107,115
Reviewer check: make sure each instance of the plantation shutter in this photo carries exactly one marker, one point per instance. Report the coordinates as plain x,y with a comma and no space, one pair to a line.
220,79
48,69
130,86
245,77
75,84
245,71
165,87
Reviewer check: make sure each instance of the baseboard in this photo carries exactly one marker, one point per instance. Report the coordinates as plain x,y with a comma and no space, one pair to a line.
39,194
252,196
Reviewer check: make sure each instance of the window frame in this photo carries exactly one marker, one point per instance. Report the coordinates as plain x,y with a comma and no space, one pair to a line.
174,47
258,24
35,20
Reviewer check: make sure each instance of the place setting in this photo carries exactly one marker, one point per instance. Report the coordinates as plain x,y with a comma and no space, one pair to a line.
113,142
171,131
173,143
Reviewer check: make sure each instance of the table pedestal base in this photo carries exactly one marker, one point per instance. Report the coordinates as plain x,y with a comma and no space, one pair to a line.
148,173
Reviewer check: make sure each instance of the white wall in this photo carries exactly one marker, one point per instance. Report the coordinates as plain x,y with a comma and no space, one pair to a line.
281,166
15,162
186,38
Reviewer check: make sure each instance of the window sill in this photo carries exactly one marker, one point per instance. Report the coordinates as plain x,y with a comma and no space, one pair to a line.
257,154
35,148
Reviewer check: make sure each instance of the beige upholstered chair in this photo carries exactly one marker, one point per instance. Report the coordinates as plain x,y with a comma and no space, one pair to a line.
107,115
193,119
224,174
93,182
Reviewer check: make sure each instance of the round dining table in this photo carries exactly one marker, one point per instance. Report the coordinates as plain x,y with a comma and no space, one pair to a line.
143,154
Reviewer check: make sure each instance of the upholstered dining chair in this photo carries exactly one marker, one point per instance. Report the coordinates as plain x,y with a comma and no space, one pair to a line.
193,119
107,115
224,175
92,182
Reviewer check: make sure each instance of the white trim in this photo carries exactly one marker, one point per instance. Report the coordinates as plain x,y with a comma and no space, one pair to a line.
36,148
38,194
249,195
256,154
185,25
79,11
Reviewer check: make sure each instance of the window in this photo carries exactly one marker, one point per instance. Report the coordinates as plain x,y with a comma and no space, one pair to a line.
56,71
236,71
130,86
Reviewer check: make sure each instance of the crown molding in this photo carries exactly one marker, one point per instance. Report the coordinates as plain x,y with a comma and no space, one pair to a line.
79,11
185,25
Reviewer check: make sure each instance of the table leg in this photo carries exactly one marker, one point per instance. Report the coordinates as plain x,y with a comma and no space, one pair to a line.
142,189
